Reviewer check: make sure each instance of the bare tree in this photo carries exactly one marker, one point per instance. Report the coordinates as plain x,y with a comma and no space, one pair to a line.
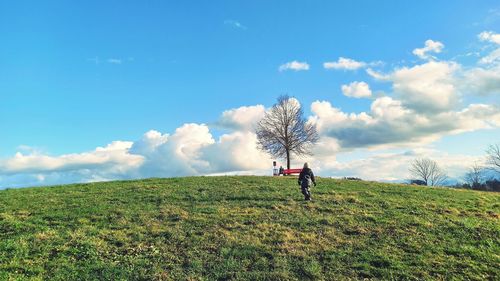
493,157
428,171
475,175
284,130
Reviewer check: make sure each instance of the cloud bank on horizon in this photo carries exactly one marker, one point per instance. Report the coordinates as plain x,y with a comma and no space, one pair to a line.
426,103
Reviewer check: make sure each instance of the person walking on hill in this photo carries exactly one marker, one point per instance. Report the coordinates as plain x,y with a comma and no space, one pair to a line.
306,179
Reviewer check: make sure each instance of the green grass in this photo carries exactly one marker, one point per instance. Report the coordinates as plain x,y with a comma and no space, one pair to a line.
257,228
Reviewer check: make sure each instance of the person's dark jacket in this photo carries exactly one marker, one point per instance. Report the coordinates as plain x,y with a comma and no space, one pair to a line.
306,171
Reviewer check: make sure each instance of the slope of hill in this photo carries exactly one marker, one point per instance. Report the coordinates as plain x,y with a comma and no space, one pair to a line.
220,228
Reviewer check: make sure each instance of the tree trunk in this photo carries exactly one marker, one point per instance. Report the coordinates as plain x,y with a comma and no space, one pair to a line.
288,159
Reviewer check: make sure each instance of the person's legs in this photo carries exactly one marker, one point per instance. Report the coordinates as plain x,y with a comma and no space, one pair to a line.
307,193
304,191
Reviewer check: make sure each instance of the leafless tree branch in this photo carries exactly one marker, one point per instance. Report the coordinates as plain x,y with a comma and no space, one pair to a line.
493,157
284,131
475,175
428,171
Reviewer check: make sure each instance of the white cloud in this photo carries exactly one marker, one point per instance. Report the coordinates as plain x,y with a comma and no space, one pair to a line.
427,102
244,117
437,86
235,24
149,142
491,58
356,90
294,65
345,64
192,150
489,36
173,155
430,87
295,102
390,124
386,108
427,87
430,47
235,152
114,61
482,81
110,162
393,165
377,75
113,157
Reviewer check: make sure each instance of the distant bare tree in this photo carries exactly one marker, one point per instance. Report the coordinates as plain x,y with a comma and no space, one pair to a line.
475,175
284,130
493,160
428,171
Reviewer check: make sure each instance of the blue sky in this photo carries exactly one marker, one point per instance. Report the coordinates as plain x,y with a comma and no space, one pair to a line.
79,75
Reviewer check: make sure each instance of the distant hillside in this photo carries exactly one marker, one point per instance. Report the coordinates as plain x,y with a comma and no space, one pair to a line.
249,228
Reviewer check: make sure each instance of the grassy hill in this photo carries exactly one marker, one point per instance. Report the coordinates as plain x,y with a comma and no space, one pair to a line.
258,228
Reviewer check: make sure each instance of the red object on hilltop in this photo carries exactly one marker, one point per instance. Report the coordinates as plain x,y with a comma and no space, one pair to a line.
291,171
285,172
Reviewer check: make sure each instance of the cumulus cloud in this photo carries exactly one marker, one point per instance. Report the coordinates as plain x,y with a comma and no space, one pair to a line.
345,64
192,150
390,124
425,104
241,118
113,157
484,78
482,81
491,58
235,152
438,86
174,155
356,90
392,166
430,47
149,142
110,162
489,36
429,87
294,65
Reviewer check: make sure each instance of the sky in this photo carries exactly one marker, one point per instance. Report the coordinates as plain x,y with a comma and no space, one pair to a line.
104,90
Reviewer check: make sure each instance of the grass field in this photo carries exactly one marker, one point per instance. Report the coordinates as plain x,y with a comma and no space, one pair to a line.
257,228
